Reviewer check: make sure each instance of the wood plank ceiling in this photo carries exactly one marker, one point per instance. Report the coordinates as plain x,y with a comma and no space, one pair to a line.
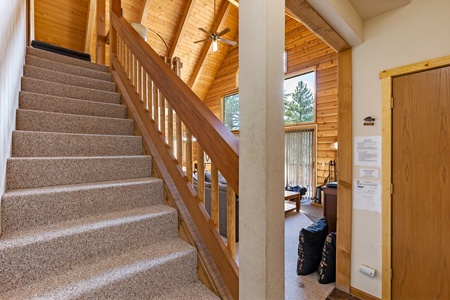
172,29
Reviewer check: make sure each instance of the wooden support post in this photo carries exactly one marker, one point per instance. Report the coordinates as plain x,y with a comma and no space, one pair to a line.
101,32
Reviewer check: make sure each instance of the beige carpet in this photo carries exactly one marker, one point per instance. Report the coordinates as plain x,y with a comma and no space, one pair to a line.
296,286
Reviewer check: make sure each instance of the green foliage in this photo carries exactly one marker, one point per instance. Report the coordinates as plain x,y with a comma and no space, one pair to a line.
231,111
299,106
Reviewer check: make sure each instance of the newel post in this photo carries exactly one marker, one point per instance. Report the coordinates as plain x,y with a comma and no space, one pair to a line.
115,8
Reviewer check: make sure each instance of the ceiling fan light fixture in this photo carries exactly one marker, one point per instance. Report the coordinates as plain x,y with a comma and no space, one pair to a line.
215,46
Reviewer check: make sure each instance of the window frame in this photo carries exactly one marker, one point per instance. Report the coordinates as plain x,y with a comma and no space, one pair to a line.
300,73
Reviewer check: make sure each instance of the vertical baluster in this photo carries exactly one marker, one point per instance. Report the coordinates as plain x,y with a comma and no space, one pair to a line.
155,105
144,88
125,59
188,155
122,46
201,173
129,64
149,93
170,125
139,79
178,133
162,114
215,195
119,49
135,71
231,221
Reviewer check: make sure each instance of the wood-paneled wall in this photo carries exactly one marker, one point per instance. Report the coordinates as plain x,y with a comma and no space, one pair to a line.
61,23
304,51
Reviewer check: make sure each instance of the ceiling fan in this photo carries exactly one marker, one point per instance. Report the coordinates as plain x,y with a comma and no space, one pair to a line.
216,36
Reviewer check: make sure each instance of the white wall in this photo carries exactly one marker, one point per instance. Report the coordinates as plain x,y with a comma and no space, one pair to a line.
12,55
413,33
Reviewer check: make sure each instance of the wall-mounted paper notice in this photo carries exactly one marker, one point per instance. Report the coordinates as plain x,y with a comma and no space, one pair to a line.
368,174
367,195
368,151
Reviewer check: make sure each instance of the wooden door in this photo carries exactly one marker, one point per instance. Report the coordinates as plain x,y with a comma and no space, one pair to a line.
421,178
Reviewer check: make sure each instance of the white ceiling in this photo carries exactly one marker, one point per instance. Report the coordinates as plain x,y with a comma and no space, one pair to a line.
368,9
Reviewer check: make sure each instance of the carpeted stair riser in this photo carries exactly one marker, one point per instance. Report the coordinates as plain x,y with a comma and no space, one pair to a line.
69,79
37,254
66,60
33,101
70,91
42,171
122,277
35,144
31,208
65,68
33,120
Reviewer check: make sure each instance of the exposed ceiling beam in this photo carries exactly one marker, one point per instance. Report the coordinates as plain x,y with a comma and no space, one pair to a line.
207,46
89,26
144,12
314,22
182,27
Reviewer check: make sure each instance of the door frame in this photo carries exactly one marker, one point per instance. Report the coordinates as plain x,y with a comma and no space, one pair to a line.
386,164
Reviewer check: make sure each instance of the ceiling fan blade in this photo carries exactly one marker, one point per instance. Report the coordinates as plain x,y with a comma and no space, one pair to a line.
205,31
225,31
201,41
232,43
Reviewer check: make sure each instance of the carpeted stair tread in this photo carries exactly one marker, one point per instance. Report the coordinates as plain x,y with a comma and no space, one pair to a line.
66,68
35,144
69,79
65,59
139,274
49,103
65,90
30,255
192,291
31,172
33,120
35,207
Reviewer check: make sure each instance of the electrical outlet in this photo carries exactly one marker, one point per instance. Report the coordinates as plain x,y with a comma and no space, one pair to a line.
367,270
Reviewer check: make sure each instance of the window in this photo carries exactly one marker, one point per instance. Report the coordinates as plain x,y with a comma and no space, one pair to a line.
230,115
299,103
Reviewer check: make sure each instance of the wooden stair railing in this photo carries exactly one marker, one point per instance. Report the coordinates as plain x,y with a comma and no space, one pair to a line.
169,116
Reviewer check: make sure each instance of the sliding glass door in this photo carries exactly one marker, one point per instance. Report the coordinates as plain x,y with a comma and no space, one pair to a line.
299,159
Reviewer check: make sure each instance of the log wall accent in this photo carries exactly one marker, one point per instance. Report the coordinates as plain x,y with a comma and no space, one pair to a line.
304,51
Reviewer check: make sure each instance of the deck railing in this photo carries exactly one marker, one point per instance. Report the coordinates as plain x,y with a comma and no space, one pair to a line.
173,122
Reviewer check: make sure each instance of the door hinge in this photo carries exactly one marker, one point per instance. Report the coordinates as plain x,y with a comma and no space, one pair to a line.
392,102
391,188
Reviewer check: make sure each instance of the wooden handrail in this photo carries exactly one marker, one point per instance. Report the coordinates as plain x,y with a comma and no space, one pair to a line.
150,90
217,141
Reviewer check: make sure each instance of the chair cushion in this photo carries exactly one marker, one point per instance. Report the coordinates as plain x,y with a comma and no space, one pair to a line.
327,266
311,240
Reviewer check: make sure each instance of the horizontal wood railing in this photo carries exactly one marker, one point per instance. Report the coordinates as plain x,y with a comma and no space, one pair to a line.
173,122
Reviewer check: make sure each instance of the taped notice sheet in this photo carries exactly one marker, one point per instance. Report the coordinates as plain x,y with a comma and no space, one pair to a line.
368,151
367,195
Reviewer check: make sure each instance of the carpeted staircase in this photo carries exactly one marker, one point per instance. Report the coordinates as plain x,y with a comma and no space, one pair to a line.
82,218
